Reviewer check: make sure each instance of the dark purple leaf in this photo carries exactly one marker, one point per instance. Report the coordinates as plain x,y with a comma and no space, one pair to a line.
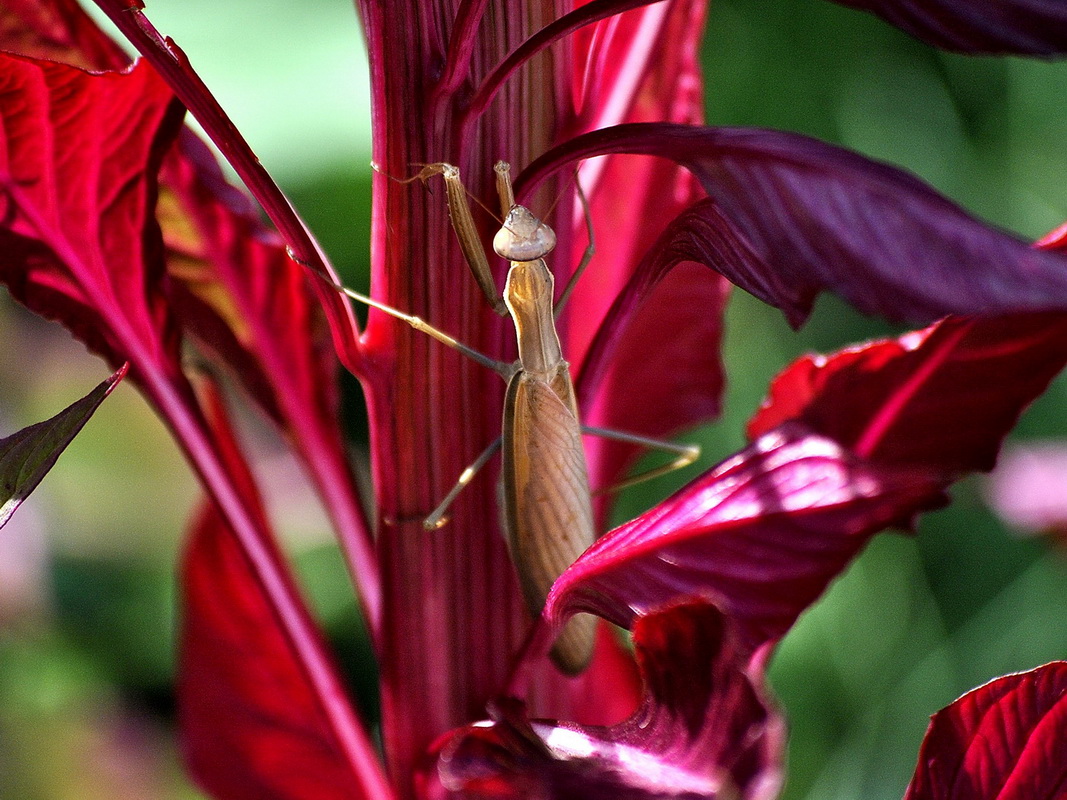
27,455
763,534
941,398
1024,27
704,730
807,216
1006,740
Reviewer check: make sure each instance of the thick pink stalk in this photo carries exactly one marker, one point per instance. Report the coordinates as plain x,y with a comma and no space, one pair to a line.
452,615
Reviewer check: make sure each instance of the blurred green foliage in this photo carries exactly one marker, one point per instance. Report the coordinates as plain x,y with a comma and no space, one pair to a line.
86,663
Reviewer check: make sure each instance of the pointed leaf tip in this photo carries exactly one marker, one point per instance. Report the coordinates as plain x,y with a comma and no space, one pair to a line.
26,456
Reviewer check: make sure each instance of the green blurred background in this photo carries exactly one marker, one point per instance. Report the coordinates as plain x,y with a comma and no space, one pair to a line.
86,566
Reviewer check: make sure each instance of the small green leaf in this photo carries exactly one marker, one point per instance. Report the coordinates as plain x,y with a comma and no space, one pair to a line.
26,456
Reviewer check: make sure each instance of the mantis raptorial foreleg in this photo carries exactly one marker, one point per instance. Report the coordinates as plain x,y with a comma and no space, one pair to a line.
503,368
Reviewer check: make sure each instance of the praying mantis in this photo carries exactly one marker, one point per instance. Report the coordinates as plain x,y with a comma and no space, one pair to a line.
547,500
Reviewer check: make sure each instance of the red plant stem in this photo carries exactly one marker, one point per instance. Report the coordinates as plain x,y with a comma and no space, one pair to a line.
453,616
461,47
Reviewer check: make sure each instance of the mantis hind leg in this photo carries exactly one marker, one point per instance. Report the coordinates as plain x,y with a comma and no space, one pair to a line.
437,518
685,454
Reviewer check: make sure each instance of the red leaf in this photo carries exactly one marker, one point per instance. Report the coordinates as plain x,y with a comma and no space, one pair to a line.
660,364
238,292
233,286
662,334
252,725
1024,27
78,157
803,216
58,30
27,455
942,398
1006,740
165,55
762,534
703,731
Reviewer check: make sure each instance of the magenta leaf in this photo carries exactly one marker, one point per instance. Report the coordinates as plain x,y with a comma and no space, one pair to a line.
1006,740
78,156
703,730
27,455
1023,27
762,534
941,398
800,216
